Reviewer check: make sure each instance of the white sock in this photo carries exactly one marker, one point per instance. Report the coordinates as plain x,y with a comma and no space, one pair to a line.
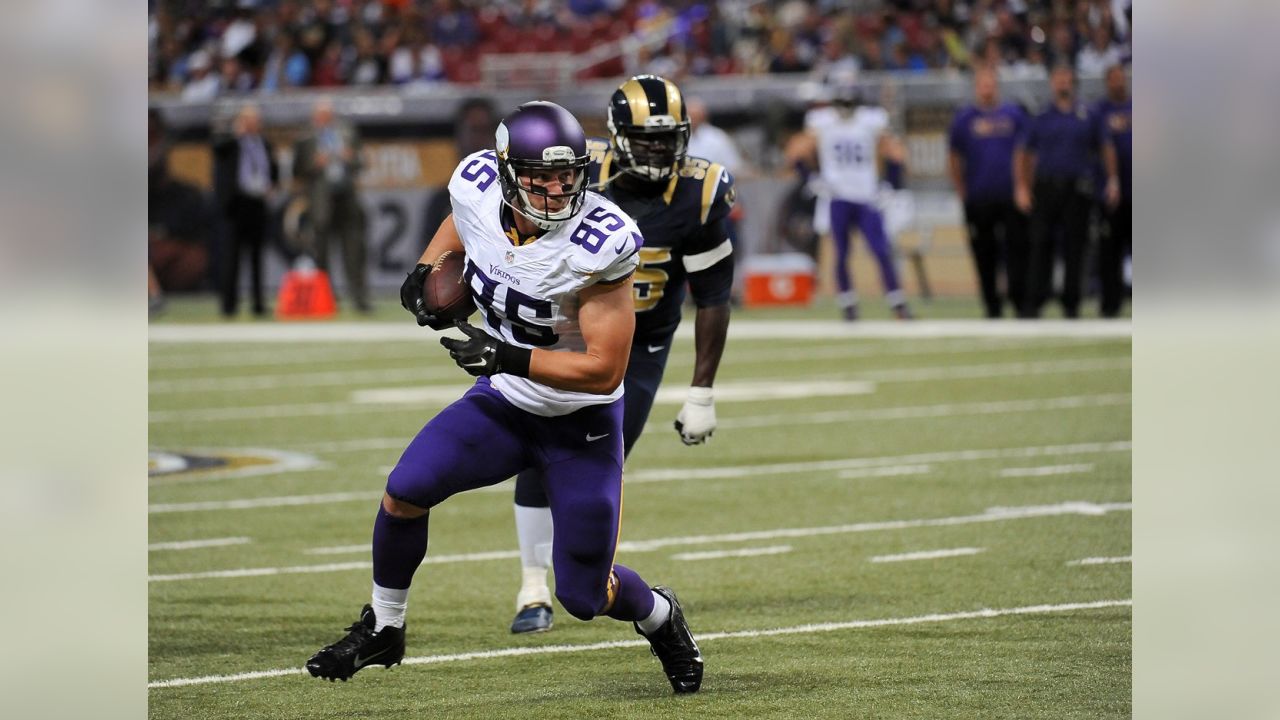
661,612
895,298
535,531
847,299
389,605
534,590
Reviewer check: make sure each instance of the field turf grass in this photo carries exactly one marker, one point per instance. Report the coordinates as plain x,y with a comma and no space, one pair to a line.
1014,450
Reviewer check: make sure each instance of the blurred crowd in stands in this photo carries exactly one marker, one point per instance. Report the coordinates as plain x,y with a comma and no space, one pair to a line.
207,48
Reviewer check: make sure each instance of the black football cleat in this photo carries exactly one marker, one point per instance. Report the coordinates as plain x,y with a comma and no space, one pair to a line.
361,648
674,645
903,312
532,619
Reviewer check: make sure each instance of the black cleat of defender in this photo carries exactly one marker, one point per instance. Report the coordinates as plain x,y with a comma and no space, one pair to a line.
361,648
674,645
532,619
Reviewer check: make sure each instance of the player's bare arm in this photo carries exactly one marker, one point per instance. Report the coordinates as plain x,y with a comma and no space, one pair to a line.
802,147
445,240
891,148
710,328
1111,164
1024,168
607,319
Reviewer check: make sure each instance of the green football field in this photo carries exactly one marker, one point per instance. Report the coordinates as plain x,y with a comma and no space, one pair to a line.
882,526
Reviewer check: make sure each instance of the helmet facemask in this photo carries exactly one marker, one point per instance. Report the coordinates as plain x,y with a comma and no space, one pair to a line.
653,151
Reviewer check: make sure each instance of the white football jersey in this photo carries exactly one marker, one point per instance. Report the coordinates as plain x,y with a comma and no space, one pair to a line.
847,151
528,295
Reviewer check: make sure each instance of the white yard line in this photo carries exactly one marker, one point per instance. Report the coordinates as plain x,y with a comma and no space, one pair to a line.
745,552
653,475
264,412
752,355
886,471
244,383
1046,470
926,555
419,356
990,515
742,329
1009,369
726,392
358,445
194,544
703,637
423,398
908,412
160,358
739,471
263,502
818,418
262,571
1102,560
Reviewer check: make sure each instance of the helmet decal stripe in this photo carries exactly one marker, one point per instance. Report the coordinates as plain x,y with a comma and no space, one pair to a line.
656,91
675,103
637,100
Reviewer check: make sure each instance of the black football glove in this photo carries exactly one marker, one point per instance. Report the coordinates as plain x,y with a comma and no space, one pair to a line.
482,354
411,299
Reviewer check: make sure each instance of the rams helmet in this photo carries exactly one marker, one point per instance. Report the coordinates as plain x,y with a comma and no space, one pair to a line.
649,127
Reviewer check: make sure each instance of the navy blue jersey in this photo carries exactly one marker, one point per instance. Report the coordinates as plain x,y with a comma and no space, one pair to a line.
686,236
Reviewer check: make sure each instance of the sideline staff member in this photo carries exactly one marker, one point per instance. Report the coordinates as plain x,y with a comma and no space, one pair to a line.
1058,154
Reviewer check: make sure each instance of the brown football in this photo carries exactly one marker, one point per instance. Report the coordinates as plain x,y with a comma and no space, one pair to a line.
445,291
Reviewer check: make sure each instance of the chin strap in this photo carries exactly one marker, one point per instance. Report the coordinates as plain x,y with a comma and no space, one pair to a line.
542,223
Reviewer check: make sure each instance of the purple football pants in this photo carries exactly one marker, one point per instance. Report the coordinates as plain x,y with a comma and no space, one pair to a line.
482,439
844,214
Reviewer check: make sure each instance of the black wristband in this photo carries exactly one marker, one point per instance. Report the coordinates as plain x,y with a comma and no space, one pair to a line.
513,360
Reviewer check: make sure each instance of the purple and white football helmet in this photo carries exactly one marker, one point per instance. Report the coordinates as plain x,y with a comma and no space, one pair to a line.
542,137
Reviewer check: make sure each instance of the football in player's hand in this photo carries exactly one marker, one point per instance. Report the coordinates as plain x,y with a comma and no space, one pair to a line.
445,291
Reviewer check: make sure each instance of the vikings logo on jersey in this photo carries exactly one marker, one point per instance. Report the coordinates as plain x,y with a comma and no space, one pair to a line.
528,294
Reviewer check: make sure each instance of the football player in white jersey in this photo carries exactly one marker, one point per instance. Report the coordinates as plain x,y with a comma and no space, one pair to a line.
549,265
848,140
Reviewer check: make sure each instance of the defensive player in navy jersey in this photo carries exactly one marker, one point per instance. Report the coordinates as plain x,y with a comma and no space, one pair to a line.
681,205
556,323
1113,120
982,139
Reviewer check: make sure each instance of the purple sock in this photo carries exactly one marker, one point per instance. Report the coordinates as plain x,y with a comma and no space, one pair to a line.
634,599
399,544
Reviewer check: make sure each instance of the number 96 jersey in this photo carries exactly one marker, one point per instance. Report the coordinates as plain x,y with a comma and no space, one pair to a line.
528,294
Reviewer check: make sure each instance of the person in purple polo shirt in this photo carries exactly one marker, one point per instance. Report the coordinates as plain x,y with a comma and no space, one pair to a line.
1057,156
982,140
1113,121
